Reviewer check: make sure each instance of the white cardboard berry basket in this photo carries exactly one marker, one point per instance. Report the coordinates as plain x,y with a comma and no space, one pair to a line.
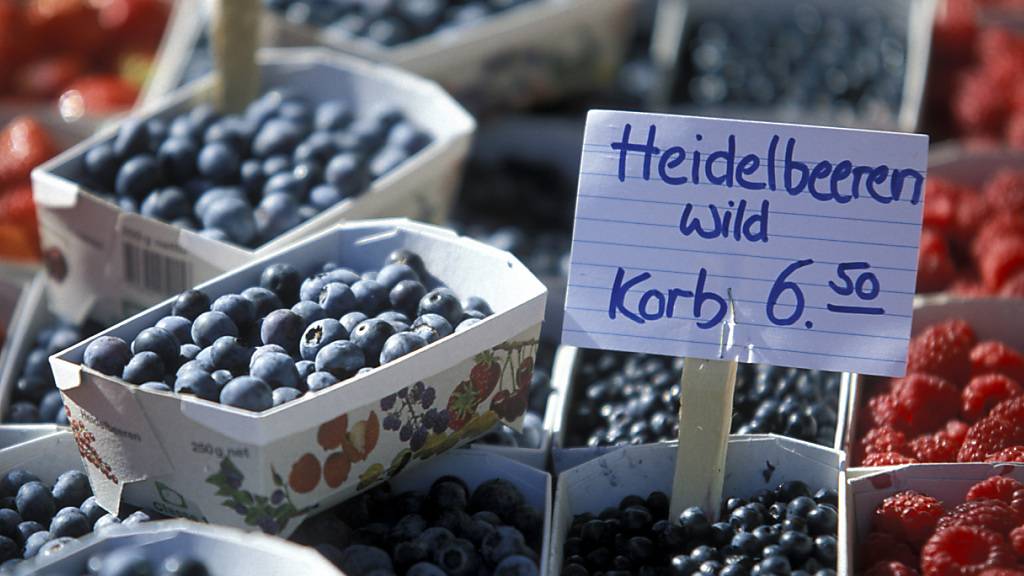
475,467
224,551
947,482
202,460
108,264
991,318
534,52
753,462
28,318
559,415
44,450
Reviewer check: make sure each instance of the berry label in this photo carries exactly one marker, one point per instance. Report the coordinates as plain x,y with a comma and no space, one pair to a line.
724,239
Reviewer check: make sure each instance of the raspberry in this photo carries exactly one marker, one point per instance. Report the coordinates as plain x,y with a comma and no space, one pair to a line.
887,459
1017,502
1011,409
891,569
1014,286
943,350
984,392
1015,130
992,514
972,212
966,550
884,547
994,488
884,439
992,357
1005,191
935,267
968,288
1017,541
1001,225
1011,454
924,402
988,435
977,107
941,202
956,431
936,447
881,411
1002,572
1002,261
908,515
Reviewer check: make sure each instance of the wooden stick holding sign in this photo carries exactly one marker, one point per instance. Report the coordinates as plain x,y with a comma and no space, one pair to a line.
235,32
705,416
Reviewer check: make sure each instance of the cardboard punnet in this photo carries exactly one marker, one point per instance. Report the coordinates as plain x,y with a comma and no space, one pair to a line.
991,319
947,482
29,317
46,451
534,52
563,378
87,241
224,551
199,459
969,166
754,462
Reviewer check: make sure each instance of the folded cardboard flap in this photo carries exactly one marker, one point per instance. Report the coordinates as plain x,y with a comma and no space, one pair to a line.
47,455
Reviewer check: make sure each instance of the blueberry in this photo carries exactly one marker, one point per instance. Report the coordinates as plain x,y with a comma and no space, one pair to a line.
179,327
35,502
276,214
338,299
105,521
132,138
233,217
34,542
263,300
359,559
32,389
209,326
443,302
177,158
276,137
317,381
398,320
370,296
477,304
282,279
136,518
505,541
399,345
28,528
284,328
304,368
695,522
340,358
138,176
325,196
108,354
800,507
370,335
199,383
222,377
346,174
9,522
457,558
386,160
70,522
277,370
101,165
92,509
13,480
239,309
405,295
822,520
449,493
265,349
319,334
351,320
432,327
228,353
159,341
167,204
248,393
310,312
774,565
332,115
211,196
497,495
285,394
190,304
343,275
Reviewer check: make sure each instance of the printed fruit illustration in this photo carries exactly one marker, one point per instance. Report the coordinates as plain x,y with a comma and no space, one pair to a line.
462,405
485,374
362,438
332,433
305,474
336,469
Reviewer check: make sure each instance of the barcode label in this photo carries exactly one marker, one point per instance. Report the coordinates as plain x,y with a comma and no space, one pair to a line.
155,271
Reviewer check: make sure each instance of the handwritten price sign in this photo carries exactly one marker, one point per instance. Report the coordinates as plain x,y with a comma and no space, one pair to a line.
790,245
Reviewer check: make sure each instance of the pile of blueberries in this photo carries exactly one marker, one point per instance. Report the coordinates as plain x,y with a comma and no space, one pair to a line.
35,398
125,561
775,532
389,23
544,252
451,530
289,335
36,520
798,57
249,178
619,398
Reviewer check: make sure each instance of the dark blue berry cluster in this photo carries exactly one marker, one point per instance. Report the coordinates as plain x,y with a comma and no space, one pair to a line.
389,23
622,398
35,398
290,335
798,56
127,561
37,520
451,531
249,178
779,532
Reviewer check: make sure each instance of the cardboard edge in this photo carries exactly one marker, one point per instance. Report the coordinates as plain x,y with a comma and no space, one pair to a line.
31,312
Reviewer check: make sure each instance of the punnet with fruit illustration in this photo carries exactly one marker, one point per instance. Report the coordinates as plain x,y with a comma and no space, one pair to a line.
234,428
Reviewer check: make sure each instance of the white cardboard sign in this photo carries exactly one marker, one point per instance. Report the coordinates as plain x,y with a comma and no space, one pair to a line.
724,239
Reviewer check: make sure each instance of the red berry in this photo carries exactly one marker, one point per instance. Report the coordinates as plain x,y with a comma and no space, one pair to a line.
887,459
978,107
994,488
935,267
936,447
1011,454
1014,286
956,431
924,402
989,435
1002,572
1004,258
910,516
988,513
992,357
881,411
1005,191
884,547
984,392
967,550
1000,225
24,144
941,203
972,212
100,94
943,350
1017,541
891,569
884,439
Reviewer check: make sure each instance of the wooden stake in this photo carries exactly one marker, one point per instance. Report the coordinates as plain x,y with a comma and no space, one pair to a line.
705,417
235,28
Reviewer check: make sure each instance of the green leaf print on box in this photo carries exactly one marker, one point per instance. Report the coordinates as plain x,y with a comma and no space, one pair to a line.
270,513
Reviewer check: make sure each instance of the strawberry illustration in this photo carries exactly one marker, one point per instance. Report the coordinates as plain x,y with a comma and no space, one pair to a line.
462,404
524,374
485,375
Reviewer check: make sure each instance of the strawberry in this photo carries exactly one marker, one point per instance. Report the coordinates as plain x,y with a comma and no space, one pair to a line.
485,375
462,405
943,350
24,144
991,357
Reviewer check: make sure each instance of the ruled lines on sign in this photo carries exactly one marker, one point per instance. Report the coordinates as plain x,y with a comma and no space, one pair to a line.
762,242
